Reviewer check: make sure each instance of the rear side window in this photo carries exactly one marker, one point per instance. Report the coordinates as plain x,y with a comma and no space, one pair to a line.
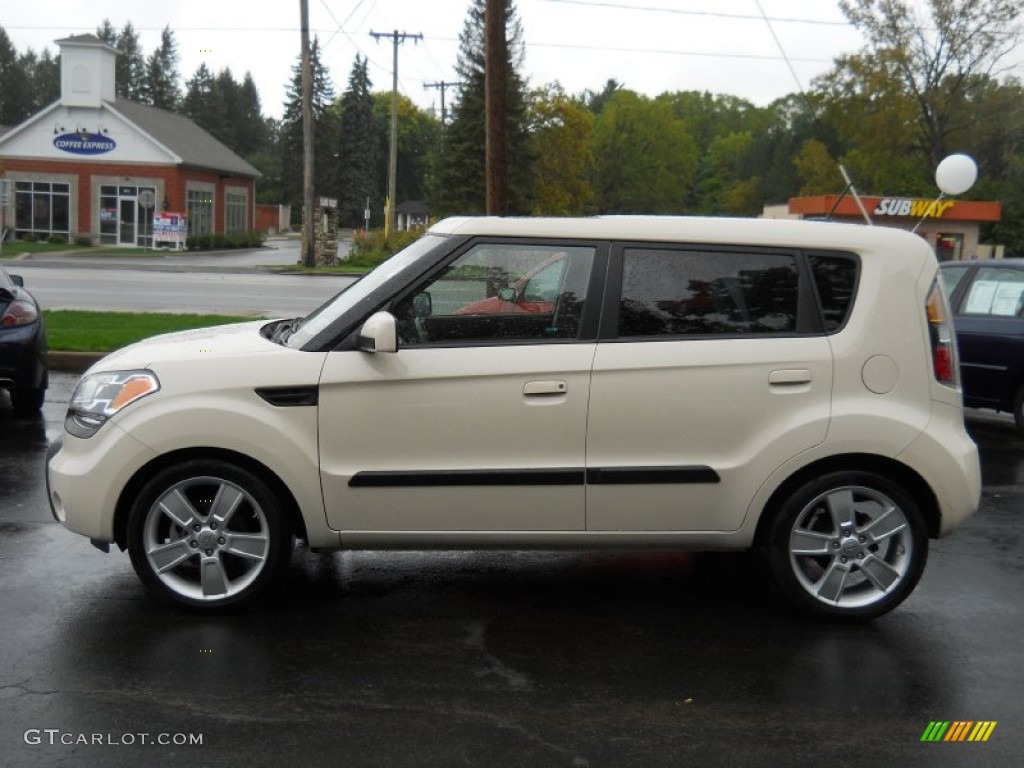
996,293
835,278
700,293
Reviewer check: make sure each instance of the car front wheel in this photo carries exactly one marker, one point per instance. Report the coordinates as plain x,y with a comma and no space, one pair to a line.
848,545
208,534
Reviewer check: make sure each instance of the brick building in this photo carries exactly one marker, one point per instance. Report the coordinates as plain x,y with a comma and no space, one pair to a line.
95,165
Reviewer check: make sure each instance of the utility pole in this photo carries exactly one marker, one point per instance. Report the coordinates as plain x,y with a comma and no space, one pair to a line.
495,77
443,86
308,245
389,213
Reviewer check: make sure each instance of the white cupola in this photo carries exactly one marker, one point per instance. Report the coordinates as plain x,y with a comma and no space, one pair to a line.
86,71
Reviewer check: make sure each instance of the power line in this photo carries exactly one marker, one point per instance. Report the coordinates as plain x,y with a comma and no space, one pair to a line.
681,12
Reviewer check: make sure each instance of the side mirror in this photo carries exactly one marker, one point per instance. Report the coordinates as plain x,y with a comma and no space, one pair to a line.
379,333
422,305
507,295
18,280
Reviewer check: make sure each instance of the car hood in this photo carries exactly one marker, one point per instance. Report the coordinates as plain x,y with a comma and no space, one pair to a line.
215,343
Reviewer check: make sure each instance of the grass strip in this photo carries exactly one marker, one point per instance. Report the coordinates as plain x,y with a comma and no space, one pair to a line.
77,331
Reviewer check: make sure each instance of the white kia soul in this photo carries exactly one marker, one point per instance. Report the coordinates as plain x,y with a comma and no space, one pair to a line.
614,382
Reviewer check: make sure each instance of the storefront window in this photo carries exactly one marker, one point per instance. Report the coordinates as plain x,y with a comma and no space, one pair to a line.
199,212
949,247
42,208
124,219
235,207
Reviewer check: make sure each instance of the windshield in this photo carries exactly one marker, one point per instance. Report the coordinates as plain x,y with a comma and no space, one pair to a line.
322,317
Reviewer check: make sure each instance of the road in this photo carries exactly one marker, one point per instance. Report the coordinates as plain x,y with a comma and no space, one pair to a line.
230,282
501,659
271,295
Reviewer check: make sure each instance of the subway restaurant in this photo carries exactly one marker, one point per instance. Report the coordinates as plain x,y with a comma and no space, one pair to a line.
98,167
952,227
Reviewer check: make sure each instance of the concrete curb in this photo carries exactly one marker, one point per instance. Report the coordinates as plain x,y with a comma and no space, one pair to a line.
72,362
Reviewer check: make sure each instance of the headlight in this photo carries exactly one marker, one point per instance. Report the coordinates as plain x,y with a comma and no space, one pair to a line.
100,395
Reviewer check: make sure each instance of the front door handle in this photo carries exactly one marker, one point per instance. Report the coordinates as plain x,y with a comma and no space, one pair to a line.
551,387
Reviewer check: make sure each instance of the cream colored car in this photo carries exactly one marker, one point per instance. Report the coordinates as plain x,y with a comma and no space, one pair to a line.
616,382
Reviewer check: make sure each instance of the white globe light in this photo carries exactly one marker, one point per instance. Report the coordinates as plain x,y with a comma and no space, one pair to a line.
956,174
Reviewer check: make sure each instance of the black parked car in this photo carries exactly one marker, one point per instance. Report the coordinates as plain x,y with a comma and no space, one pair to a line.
988,312
22,345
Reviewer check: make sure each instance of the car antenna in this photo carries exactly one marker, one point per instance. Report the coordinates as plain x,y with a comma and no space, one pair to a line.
803,94
852,190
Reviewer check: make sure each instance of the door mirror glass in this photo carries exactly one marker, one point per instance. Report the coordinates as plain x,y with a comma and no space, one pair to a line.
422,305
18,280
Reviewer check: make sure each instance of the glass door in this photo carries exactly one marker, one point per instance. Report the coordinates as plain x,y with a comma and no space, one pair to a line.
126,230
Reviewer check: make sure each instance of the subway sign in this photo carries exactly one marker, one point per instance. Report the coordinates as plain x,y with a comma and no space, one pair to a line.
84,143
918,209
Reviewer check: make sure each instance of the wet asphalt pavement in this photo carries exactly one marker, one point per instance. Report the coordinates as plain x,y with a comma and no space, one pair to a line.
501,659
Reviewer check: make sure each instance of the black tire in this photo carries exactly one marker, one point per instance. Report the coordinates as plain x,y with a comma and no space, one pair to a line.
208,534
1018,408
28,401
847,545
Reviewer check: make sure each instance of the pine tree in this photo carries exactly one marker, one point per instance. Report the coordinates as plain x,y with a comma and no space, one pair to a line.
325,128
130,67
200,103
161,80
15,84
460,179
358,148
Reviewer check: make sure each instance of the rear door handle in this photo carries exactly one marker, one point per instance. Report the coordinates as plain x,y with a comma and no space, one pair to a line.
539,388
791,377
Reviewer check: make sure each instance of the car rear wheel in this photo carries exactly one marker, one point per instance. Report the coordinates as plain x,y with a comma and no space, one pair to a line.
1018,408
28,400
848,545
208,534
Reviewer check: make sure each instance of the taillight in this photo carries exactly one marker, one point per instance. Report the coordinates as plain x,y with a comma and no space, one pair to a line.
940,333
19,313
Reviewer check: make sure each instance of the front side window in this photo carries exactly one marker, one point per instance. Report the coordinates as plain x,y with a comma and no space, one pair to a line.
700,293
996,293
500,292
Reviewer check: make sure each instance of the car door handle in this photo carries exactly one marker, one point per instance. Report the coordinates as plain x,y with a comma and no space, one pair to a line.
552,387
792,377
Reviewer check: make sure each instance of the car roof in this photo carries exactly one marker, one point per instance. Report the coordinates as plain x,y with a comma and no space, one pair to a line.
692,229
1013,261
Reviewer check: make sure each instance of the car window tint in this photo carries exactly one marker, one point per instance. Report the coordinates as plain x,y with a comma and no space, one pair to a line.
996,292
835,277
500,292
951,277
696,293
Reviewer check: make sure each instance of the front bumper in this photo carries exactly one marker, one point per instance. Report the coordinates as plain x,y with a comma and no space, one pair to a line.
85,477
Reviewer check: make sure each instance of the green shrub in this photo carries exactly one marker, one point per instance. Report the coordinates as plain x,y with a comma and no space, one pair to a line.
27,237
56,239
369,249
83,240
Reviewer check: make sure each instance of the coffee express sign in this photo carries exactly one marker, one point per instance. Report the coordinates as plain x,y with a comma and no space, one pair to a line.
918,209
84,143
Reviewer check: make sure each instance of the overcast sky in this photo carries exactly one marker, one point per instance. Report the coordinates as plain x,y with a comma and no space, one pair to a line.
651,46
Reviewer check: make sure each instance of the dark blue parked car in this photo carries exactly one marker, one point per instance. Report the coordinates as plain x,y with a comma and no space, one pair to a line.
988,312
22,346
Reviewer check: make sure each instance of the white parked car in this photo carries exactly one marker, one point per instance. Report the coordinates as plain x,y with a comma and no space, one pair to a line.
614,382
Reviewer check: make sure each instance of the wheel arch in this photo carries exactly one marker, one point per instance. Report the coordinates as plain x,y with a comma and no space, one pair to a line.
132,488
891,469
